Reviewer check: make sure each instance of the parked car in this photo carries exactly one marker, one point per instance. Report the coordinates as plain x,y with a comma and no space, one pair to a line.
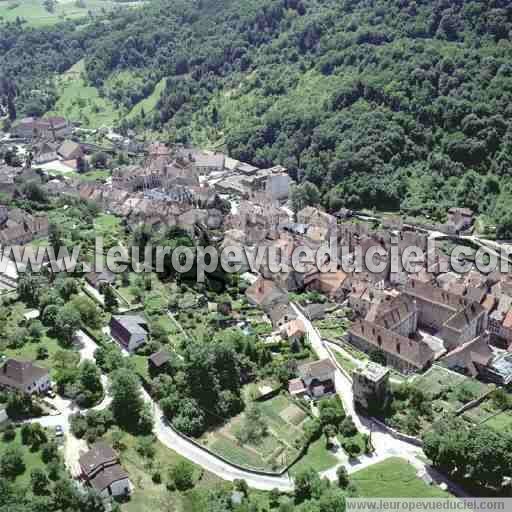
59,431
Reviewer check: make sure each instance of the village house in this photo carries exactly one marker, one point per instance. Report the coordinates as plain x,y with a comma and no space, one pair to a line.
273,183
328,283
99,279
102,471
46,128
281,314
45,152
266,294
293,331
131,331
24,376
477,359
70,150
315,380
204,162
18,227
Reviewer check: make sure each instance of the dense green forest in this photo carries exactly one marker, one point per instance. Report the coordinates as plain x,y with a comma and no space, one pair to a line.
392,104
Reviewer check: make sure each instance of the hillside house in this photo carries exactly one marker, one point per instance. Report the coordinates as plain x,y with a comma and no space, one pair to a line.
24,376
131,331
102,471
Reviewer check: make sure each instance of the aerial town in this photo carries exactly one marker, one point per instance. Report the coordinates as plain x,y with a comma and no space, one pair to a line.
143,380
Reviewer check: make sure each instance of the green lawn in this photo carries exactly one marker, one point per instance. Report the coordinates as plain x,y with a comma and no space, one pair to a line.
317,457
31,459
94,176
393,478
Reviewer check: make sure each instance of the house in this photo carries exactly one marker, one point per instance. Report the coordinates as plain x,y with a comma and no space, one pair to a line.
50,127
294,331
57,127
23,376
70,150
101,470
328,283
205,162
98,279
158,362
370,385
131,331
316,379
273,183
280,314
44,153
265,293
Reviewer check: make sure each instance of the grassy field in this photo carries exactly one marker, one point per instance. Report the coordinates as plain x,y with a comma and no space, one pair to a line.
148,104
393,478
82,103
36,15
317,457
285,423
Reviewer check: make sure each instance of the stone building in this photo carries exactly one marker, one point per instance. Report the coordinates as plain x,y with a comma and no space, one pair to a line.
370,385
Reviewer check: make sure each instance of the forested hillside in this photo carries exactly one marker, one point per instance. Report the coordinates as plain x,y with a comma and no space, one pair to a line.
380,103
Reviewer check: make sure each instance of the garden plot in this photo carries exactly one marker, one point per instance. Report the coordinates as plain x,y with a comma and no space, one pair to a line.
271,447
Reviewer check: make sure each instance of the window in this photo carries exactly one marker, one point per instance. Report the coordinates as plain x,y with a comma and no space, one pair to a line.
398,348
379,340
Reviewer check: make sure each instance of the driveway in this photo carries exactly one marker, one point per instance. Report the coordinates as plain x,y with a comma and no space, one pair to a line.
86,346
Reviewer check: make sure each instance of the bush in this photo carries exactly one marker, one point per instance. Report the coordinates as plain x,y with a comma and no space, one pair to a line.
348,427
9,433
352,447
12,463
182,475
